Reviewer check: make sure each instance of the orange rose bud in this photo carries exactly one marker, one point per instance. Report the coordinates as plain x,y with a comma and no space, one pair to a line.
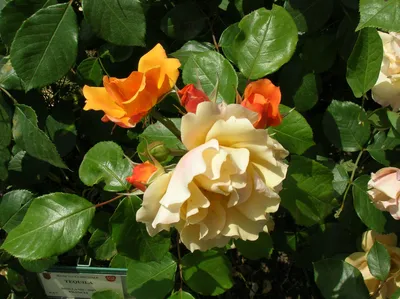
141,174
191,97
126,101
263,97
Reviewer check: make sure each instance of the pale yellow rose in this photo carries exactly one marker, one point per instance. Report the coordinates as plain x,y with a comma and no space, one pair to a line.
387,88
227,184
359,260
385,190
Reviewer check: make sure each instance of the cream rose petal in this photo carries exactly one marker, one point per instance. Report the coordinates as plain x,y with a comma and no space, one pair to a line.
151,204
190,165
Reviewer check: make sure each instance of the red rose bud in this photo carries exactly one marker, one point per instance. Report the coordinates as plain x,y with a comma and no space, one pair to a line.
191,97
141,174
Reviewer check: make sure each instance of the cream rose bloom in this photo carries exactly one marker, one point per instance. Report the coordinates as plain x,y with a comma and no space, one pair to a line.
387,88
385,190
359,260
225,187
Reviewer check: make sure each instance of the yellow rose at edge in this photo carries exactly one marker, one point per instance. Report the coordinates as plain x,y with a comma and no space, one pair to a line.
126,101
225,187
359,260
387,88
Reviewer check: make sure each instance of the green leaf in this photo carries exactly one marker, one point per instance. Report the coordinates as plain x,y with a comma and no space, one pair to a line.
29,137
119,261
4,158
13,206
338,279
379,118
394,119
378,259
207,273
226,41
53,224
121,22
380,150
107,294
139,246
364,62
38,265
4,288
319,52
8,76
309,15
5,123
178,23
151,279
267,40
189,49
105,163
51,30
307,191
25,170
298,86
60,126
346,126
396,294
115,53
340,179
381,14
158,132
214,72
294,133
372,217
255,250
15,13
101,246
181,295
90,72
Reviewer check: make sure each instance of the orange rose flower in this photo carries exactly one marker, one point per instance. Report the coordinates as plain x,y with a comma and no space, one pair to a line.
263,97
141,174
191,97
126,101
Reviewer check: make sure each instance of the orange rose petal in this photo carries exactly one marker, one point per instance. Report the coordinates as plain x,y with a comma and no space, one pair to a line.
169,68
153,58
124,90
97,98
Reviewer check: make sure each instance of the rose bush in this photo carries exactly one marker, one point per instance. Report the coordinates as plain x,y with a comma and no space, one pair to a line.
235,149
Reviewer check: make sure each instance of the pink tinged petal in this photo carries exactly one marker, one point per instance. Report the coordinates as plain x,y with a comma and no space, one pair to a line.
190,165
385,180
151,204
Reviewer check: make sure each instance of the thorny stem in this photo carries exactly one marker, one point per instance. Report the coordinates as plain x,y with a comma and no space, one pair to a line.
167,123
9,95
109,201
350,183
179,262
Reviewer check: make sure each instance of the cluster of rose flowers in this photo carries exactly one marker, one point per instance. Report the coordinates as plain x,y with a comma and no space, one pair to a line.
226,185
